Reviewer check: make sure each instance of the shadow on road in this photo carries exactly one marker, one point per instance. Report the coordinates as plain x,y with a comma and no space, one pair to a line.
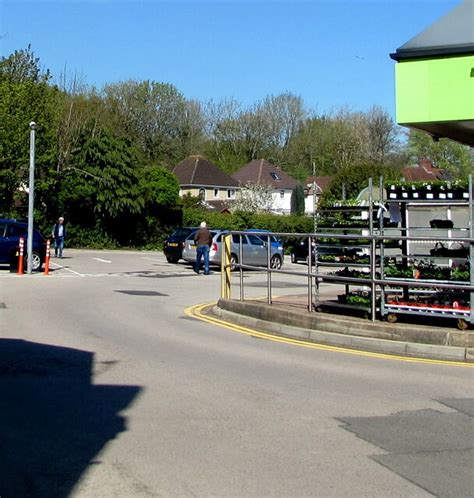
53,420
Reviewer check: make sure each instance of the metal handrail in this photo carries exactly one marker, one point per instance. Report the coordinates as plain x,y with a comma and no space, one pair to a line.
314,277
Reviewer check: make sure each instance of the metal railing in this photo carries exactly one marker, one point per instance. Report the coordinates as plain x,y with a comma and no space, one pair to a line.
314,276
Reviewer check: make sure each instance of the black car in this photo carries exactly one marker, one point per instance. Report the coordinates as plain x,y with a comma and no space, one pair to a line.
299,250
10,233
174,244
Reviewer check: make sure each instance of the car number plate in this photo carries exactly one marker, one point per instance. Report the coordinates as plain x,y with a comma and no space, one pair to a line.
173,244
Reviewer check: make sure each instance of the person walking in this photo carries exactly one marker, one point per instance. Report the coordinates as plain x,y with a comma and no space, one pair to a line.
59,234
203,240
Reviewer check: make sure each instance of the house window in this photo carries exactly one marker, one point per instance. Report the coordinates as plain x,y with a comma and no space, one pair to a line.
282,194
202,194
275,176
230,193
216,193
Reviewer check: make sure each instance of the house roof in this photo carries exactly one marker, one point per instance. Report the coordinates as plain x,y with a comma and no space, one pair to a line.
423,172
453,34
322,182
262,172
198,171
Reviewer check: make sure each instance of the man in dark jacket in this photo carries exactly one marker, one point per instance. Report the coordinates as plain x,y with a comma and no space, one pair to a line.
203,240
59,234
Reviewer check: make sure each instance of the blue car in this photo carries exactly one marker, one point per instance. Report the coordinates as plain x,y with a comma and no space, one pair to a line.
10,233
277,244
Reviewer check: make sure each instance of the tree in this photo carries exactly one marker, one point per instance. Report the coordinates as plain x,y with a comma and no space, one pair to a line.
297,200
445,154
25,97
237,134
103,181
349,181
254,198
382,134
161,188
151,114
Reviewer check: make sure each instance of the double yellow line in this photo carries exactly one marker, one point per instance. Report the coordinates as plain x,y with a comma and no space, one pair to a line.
196,311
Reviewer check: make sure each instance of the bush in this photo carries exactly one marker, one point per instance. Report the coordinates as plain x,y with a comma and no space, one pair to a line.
246,220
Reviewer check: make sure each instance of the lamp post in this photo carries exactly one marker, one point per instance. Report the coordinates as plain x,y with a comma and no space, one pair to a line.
314,198
31,198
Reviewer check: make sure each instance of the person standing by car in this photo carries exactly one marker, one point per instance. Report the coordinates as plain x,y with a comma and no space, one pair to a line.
203,240
59,234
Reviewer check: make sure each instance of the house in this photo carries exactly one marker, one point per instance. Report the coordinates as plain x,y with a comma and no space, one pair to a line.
262,172
314,184
199,177
424,172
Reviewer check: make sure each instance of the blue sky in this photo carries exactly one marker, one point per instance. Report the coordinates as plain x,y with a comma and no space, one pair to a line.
331,53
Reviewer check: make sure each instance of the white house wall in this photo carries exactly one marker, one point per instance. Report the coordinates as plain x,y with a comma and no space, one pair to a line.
281,204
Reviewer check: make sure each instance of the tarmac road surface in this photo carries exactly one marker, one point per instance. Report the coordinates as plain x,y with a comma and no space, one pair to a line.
109,390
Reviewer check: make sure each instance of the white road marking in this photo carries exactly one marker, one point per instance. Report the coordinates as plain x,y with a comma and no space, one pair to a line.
102,260
59,267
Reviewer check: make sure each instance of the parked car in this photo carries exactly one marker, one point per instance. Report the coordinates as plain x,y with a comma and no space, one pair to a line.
254,250
174,243
10,233
299,250
277,243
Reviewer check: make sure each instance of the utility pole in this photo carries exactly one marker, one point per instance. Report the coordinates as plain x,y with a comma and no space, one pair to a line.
31,198
314,198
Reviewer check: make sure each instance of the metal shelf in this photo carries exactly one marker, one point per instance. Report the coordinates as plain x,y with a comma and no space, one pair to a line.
435,202
346,246
431,281
436,312
423,256
342,264
454,229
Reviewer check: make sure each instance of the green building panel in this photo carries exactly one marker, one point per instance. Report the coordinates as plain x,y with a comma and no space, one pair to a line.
435,90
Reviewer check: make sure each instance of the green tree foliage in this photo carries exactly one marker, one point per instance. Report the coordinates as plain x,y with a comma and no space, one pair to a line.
102,188
161,188
349,181
297,200
237,134
156,116
25,96
445,154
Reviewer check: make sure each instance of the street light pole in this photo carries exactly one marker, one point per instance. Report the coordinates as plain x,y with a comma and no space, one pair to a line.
314,198
31,198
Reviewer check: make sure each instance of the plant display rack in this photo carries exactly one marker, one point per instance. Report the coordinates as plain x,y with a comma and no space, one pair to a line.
345,258
421,262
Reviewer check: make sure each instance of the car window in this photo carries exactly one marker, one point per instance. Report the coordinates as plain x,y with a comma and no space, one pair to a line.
16,231
236,239
181,232
2,229
254,240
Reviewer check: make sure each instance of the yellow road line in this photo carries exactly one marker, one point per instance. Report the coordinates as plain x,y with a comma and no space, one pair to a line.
196,312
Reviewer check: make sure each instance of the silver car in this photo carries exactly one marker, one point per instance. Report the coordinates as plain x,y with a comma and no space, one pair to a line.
254,250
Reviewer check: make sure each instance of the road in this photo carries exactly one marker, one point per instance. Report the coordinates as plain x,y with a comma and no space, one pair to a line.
110,390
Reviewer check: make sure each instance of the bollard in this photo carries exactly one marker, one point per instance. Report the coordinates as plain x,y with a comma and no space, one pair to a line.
20,255
46,260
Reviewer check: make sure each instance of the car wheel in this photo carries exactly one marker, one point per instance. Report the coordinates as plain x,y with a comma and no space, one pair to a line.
293,258
36,262
233,262
172,260
275,262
